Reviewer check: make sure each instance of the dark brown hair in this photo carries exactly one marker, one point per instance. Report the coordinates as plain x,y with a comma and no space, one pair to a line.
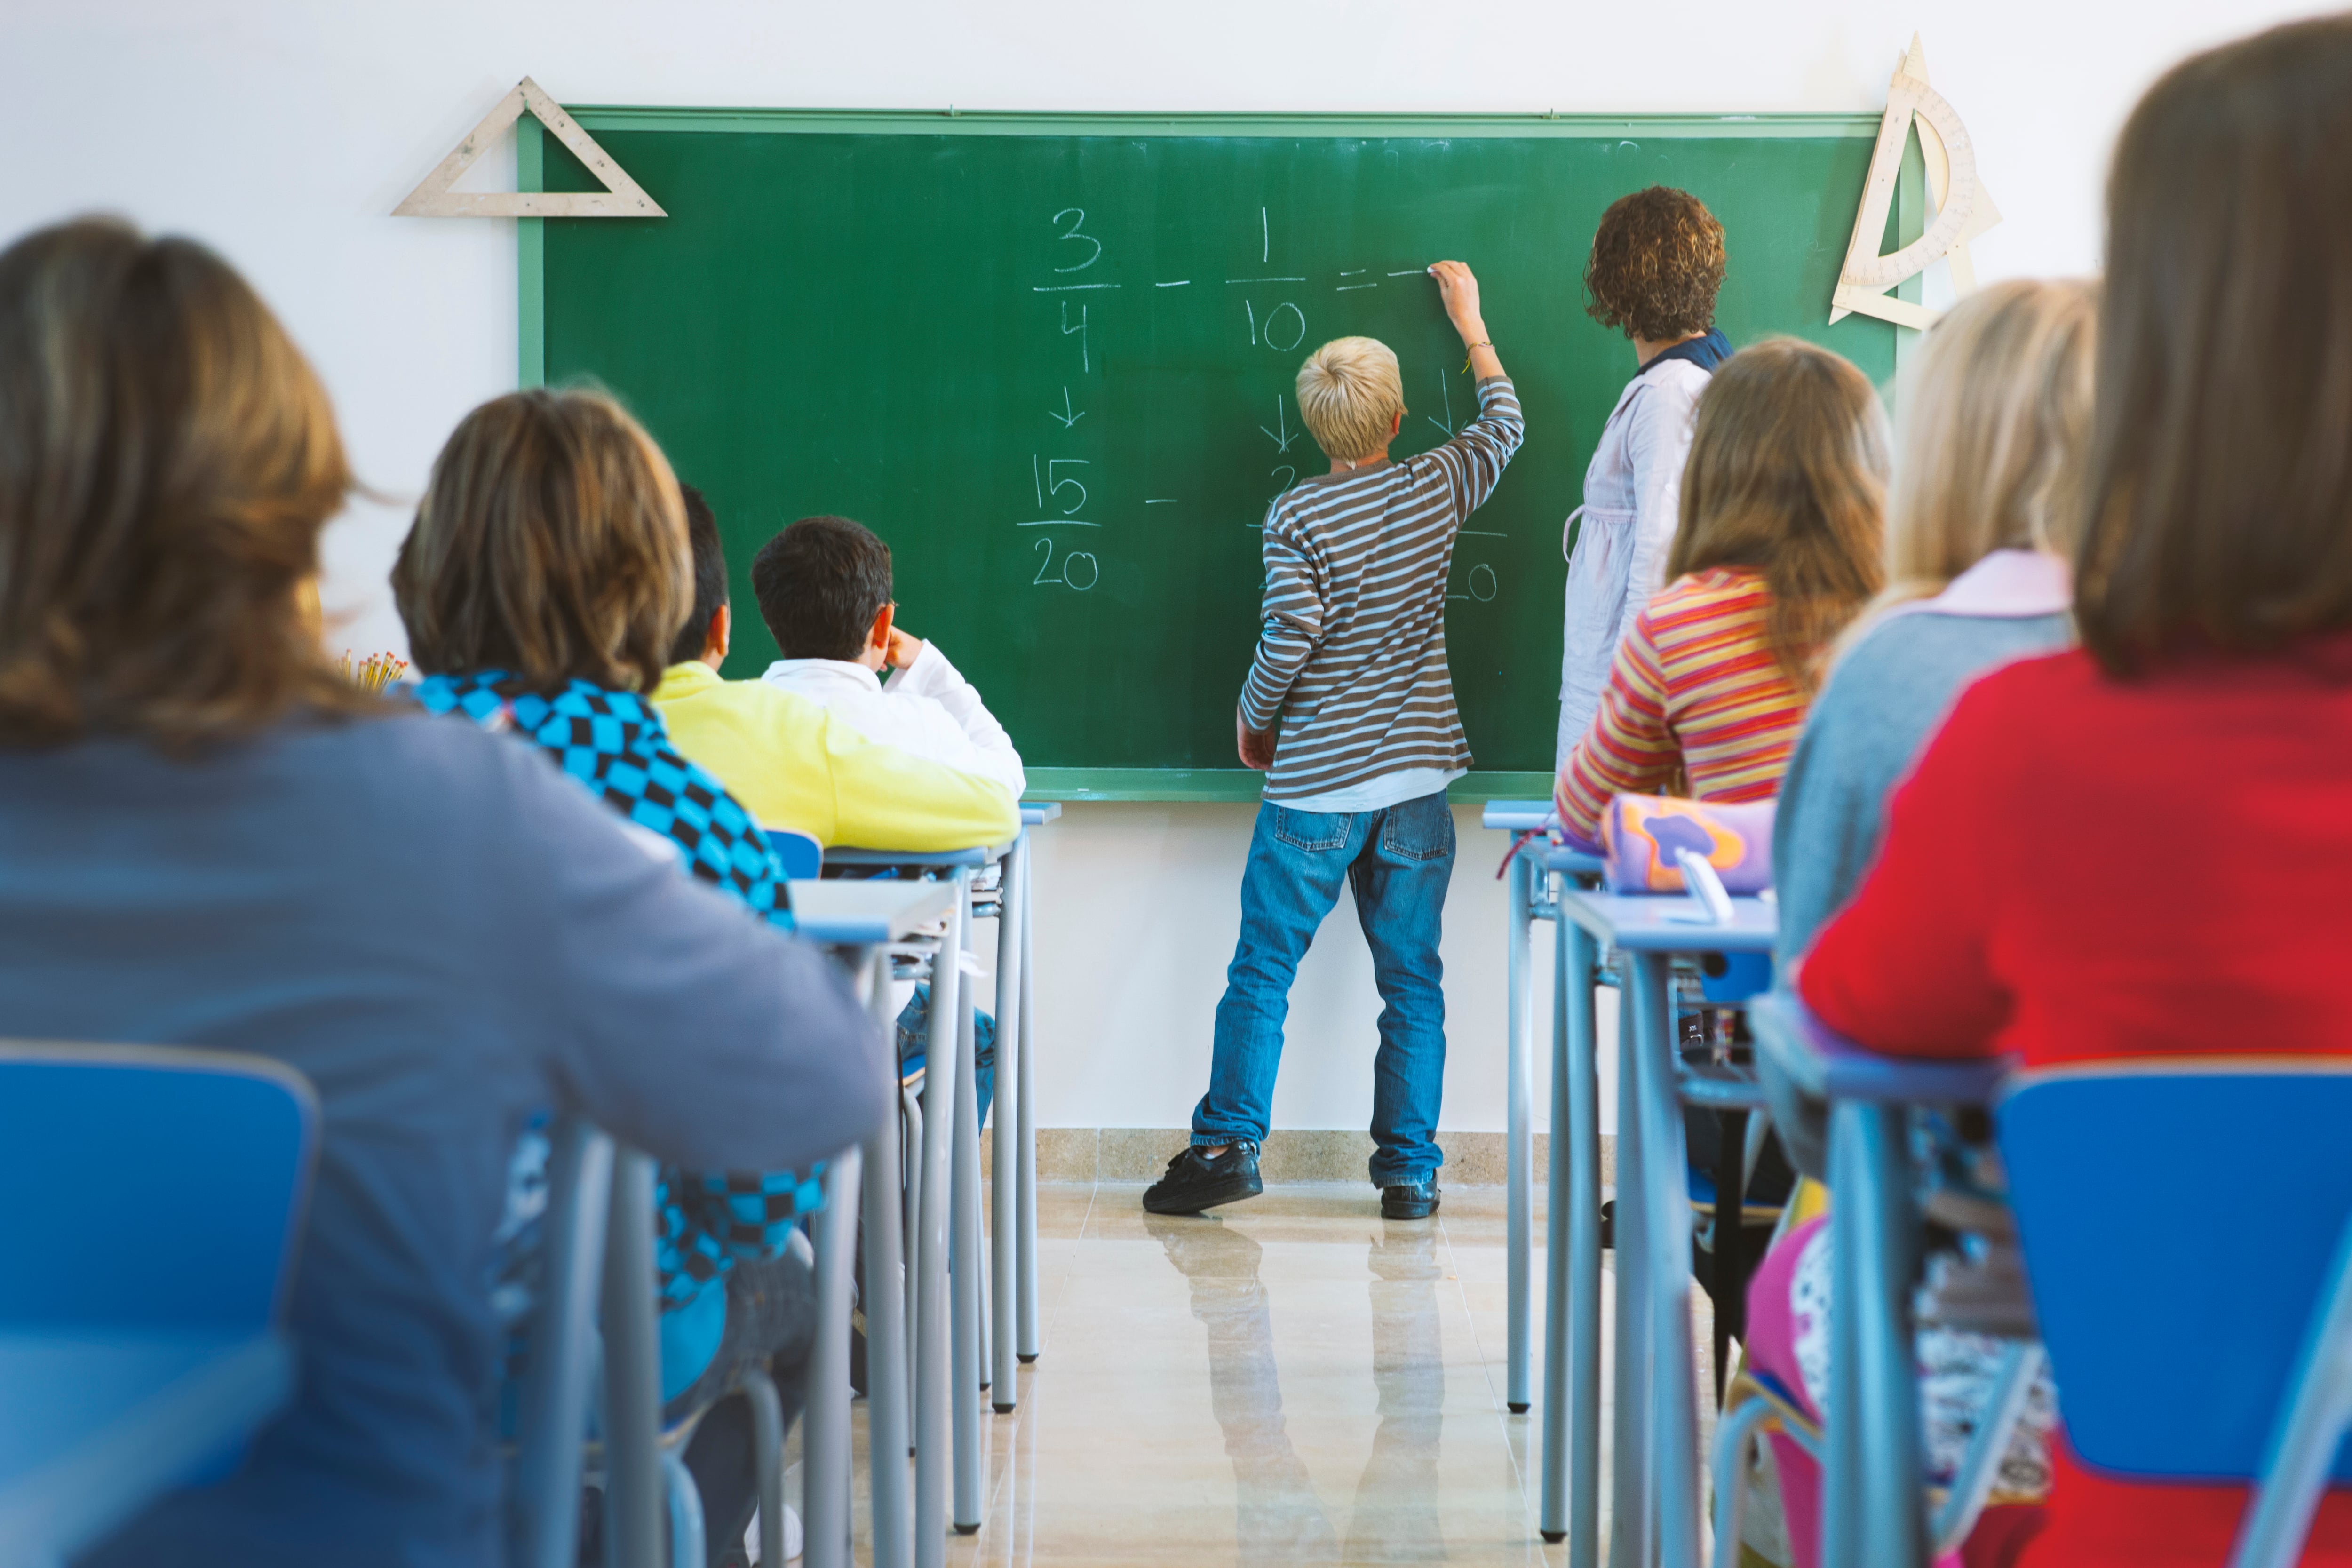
2219,507
551,546
1656,263
819,584
167,458
1788,474
710,575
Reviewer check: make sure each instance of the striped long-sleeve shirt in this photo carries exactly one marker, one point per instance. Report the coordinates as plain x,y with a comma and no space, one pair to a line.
1695,690
1352,657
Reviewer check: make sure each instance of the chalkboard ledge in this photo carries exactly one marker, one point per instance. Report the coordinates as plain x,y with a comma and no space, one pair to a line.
1238,783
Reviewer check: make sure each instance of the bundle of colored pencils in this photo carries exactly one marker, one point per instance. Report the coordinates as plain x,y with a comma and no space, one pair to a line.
375,672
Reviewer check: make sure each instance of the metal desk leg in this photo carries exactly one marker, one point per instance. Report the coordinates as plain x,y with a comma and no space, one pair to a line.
556,1378
1518,1146
1026,1345
825,1435
1874,1508
965,1251
637,1512
1004,1187
886,1314
1630,1535
1571,1456
931,1336
1666,1217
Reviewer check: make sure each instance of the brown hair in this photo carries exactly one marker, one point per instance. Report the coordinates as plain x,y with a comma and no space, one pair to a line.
167,458
1656,262
2219,505
551,546
1788,474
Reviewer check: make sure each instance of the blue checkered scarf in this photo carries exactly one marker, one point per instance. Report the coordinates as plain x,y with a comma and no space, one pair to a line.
615,745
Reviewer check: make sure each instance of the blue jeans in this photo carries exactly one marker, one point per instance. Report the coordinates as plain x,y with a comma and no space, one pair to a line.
1398,860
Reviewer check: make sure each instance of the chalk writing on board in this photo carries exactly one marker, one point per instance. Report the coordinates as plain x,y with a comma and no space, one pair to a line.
1160,501
1055,485
1283,436
1359,272
1058,522
1085,360
1492,587
1070,288
1265,279
1445,392
1297,337
1078,217
1179,283
1068,417
1070,560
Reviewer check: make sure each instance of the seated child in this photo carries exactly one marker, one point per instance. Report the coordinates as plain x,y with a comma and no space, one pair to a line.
824,587
1777,548
542,586
797,762
2089,861
1994,426
213,841
762,737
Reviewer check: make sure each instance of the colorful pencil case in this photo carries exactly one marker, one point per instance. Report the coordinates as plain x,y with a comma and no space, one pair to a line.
1640,833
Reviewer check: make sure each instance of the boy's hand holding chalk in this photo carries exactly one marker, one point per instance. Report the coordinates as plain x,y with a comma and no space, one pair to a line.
1458,288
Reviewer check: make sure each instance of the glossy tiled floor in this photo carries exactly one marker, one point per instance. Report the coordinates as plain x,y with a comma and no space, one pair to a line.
1288,1380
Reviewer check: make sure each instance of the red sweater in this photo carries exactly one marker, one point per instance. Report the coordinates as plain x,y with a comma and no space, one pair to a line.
2083,867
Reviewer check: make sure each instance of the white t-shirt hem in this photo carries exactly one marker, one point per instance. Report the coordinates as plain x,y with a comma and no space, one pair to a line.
1379,793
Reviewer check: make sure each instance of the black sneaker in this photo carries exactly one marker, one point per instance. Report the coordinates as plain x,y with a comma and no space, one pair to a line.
1410,1200
1194,1182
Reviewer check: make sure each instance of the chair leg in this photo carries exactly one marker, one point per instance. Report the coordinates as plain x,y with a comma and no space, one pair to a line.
1730,1238
688,1549
767,1462
2310,1428
1732,1439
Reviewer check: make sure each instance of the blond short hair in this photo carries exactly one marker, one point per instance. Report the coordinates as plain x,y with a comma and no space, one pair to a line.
1350,393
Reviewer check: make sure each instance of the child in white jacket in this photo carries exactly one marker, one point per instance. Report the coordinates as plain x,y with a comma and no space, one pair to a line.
928,709
1657,260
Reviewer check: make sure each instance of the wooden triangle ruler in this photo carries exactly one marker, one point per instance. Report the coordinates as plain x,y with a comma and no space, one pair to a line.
1964,208
621,197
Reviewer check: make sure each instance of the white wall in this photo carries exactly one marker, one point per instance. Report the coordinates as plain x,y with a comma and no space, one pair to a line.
284,132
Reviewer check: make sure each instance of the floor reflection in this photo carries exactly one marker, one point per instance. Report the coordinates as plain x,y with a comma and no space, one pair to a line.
1278,1517
1396,1519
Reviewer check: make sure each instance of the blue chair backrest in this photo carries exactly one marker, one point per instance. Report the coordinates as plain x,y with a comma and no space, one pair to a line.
2179,1221
149,1188
799,853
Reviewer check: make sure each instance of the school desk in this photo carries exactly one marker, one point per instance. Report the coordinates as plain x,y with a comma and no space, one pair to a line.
860,918
950,1362
1655,1495
1533,862
1871,1508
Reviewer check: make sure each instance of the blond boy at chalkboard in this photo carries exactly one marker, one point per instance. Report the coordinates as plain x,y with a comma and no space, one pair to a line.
1348,711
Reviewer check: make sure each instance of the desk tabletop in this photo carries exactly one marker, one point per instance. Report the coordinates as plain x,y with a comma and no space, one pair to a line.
1560,857
941,859
852,913
1670,922
1828,1066
1035,813
1518,815
101,1424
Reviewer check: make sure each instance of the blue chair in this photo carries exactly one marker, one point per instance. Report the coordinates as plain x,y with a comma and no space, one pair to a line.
801,857
2208,1336
133,1364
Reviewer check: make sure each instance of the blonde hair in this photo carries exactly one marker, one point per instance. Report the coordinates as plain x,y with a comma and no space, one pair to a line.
1995,422
1787,475
1350,392
550,545
167,458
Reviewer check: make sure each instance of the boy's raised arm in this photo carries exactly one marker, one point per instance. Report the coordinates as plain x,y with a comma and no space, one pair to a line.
1477,455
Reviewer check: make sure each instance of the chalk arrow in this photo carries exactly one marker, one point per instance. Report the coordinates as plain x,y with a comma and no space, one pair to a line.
1066,416
1282,441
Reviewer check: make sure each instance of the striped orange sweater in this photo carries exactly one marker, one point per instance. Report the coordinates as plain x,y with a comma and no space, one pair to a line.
1694,689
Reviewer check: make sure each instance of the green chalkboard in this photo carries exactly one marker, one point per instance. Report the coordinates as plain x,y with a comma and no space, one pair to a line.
1050,360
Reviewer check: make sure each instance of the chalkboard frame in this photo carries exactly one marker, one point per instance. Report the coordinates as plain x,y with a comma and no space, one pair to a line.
1175,784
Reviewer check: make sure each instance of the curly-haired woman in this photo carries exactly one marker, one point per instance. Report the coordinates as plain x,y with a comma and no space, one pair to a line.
1656,263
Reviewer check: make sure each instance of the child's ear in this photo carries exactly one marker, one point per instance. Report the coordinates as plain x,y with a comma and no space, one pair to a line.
1396,423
